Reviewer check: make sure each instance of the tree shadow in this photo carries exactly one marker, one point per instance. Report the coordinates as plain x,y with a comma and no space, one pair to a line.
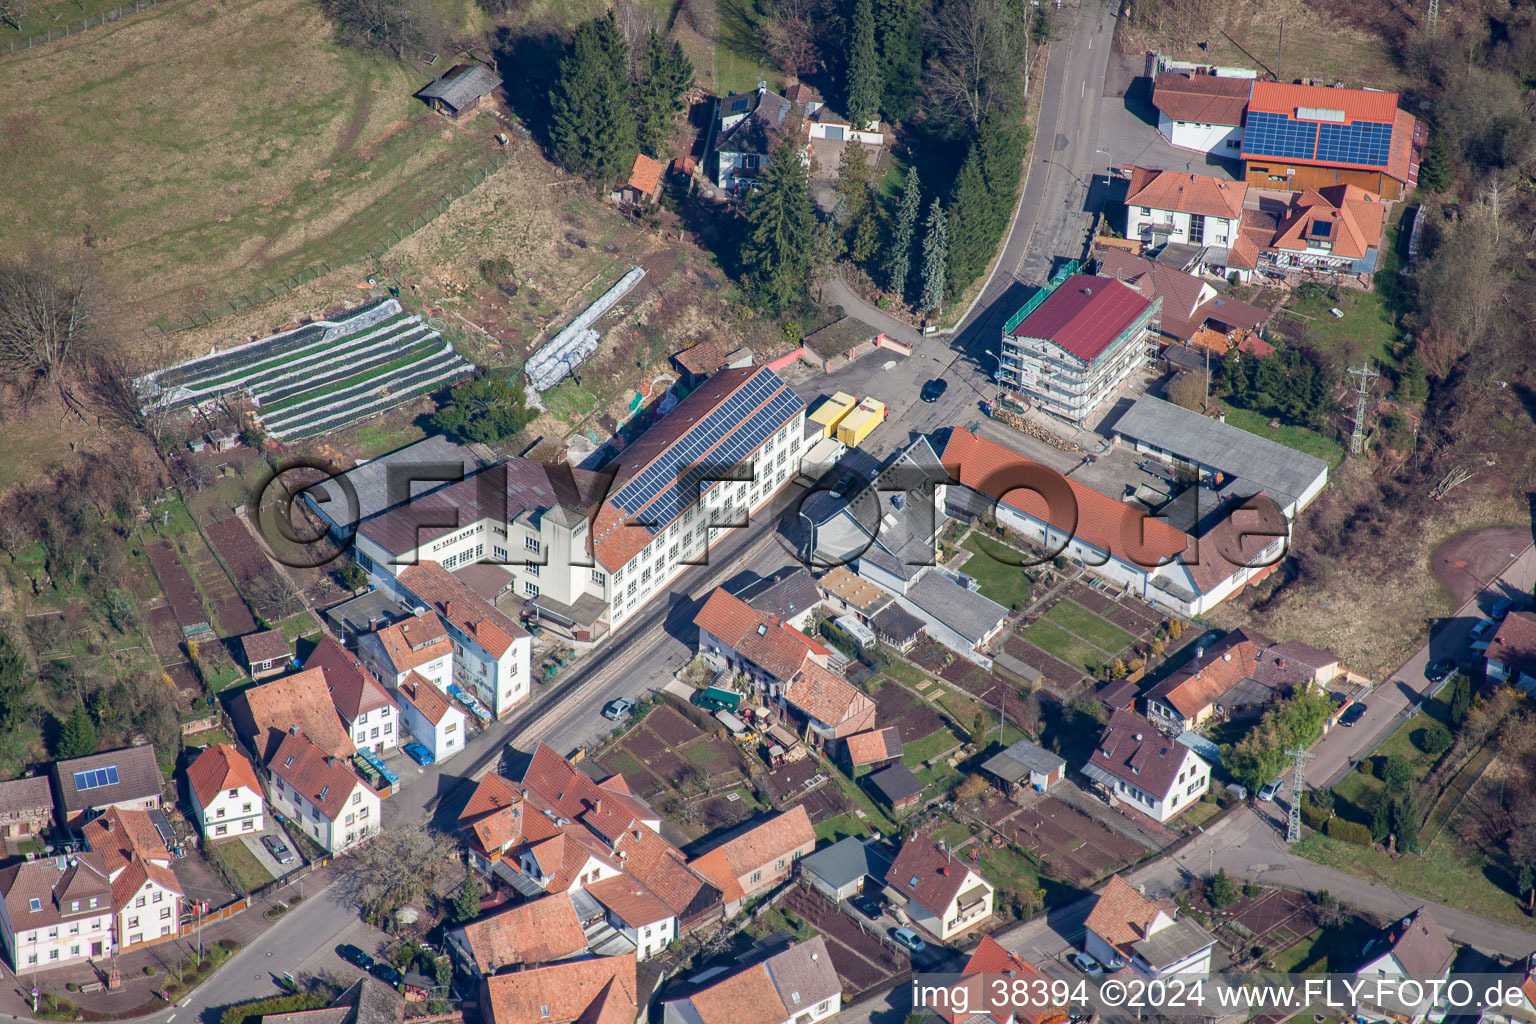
527,61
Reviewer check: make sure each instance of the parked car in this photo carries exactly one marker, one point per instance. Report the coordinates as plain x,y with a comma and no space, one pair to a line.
418,753
615,710
1268,792
934,389
1087,964
909,938
353,955
1501,608
1438,670
386,973
866,906
278,849
1352,715
1481,630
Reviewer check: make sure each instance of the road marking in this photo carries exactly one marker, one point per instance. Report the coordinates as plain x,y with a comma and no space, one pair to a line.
1083,91
170,1018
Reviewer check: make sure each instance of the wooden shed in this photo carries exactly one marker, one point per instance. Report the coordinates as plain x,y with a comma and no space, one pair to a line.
461,90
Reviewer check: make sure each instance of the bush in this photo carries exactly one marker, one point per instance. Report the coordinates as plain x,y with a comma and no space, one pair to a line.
1395,770
1315,818
1347,832
1434,740
149,970
251,1013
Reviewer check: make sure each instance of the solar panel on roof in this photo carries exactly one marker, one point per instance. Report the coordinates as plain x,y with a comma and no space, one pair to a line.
1267,134
1364,142
95,778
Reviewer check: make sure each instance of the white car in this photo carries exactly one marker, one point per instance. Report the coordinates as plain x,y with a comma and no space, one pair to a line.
1268,793
1087,964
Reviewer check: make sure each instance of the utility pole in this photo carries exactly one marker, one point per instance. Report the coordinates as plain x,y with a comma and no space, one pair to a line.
1299,759
1365,375
1433,23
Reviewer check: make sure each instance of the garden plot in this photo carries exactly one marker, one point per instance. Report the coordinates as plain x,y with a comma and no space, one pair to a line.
1070,844
319,377
862,959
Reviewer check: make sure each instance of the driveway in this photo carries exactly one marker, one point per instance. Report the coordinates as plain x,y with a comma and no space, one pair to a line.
264,857
1128,125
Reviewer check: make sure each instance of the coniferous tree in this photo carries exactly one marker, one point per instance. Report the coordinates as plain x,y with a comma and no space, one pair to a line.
899,31
899,259
1235,376
78,737
863,67
779,253
1412,380
1381,819
1461,699
1435,170
15,686
857,210
968,248
592,125
663,75
935,258
1405,824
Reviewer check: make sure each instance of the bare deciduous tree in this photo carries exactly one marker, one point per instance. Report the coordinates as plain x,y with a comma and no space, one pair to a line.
399,864
399,26
975,46
12,11
48,319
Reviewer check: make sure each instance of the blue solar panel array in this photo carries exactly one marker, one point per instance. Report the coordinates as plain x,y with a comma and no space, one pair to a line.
1364,142
691,447
96,778
1276,135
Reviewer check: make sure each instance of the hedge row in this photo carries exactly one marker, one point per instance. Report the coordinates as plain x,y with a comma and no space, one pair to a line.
1349,832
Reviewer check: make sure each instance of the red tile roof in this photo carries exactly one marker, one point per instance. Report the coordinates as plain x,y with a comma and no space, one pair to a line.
874,745
645,175
415,641
1186,193
1132,750
467,611
771,644
1514,643
121,835
827,697
417,691
270,645
1351,216
303,701
785,835
1201,99
1357,104
1182,293
553,783
354,690
928,872
540,931
1105,523
1084,315
127,885
1121,915
629,901
1240,655
991,958
323,780
493,793
218,768
598,991
1408,138
702,359
662,870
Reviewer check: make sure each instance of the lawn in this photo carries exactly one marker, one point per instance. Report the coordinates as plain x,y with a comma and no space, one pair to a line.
1299,438
241,160
1006,584
1365,331
740,58
1054,640
904,672
938,742
1090,627
207,739
246,868
1446,873
1358,791
301,624
1324,948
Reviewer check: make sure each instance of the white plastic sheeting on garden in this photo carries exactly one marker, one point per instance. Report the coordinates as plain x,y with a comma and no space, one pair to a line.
573,345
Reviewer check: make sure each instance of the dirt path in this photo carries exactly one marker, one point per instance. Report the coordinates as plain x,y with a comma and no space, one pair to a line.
1467,562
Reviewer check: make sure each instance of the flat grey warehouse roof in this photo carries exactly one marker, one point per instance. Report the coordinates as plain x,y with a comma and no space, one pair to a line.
1284,472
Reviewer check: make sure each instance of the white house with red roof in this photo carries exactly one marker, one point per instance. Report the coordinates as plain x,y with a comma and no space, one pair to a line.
226,795
1136,765
1202,109
419,644
146,896
321,795
981,1006
427,714
944,895
1176,206
758,859
1414,947
364,706
57,911
1072,346
1126,929
492,655
1511,653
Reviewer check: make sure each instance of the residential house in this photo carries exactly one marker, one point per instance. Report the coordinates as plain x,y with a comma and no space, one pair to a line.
797,986
361,701
1414,947
1511,653
428,715
758,859
226,795
1299,137
1126,929
825,123
366,1001
495,819
790,594
263,715
735,637
1194,313
26,807
1239,675
1075,344
981,1006
266,653
956,616
897,787
321,794
1022,765
541,931
419,644
697,362
1335,229
873,747
831,708
1227,461
55,912
118,778
461,91
598,991
1203,112
839,870
492,655
943,894
146,896
1240,543
587,550
746,128
1190,209
1136,765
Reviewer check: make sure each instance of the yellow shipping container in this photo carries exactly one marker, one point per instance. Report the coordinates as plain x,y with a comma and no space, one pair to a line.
831,412
865,417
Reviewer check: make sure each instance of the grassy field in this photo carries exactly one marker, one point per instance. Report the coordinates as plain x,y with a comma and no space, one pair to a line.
1054,640
1359,791
989,566
1365,331
242,158
243,863
740,60
1299,438
1090,627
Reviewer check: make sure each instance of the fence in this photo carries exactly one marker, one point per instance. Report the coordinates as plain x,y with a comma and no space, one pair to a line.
373,250
74,28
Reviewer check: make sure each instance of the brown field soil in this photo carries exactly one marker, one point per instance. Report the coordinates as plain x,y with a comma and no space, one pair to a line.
207,151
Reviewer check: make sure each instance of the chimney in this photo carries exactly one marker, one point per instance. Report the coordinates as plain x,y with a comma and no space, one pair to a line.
1138,737
293,730
448,609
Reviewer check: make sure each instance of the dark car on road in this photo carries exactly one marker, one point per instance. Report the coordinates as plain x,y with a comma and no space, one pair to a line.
934,389
867,906
1439,670
1353,714
353,955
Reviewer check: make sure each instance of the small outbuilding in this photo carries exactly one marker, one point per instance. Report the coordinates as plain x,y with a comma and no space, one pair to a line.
461,91
1025,764
644,182
897,786
266,653
839,870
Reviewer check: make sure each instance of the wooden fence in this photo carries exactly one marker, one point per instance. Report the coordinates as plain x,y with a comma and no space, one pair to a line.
74,28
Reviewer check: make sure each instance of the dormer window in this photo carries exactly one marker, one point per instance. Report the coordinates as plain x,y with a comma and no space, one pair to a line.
74,905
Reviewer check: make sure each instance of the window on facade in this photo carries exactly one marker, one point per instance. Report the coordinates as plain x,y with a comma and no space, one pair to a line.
499,553
139,902
599,577
357,798
1196,228
133,922
220,829
165,912
645,577
533,570
530,590
757,876
531,543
